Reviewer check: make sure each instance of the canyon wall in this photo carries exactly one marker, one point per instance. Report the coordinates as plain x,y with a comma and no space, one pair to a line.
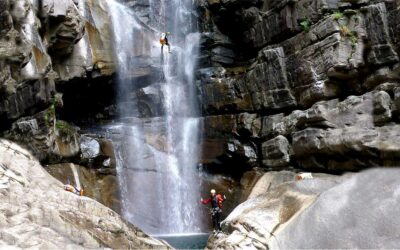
57,69
308,84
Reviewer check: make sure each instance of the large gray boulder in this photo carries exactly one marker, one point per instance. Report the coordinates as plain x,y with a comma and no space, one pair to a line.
276,152
37,212
360,212
90,147
351,211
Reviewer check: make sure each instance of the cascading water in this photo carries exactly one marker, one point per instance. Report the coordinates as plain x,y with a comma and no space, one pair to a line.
159,182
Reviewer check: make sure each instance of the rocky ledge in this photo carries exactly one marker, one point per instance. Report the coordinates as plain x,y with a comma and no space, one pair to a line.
349,211
37,212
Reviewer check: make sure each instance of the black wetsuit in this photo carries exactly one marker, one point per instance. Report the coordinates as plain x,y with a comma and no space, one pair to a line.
216,213
165,43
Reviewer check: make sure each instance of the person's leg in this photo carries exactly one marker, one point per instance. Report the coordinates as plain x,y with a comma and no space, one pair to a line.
215,222
219,221
162,48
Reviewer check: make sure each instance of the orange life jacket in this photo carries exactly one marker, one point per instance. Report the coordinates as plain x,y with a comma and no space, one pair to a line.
69,188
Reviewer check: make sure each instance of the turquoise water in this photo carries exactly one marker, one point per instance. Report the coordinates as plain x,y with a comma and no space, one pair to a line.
185,241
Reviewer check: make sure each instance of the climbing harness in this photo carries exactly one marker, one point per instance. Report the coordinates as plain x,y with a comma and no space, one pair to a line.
215,210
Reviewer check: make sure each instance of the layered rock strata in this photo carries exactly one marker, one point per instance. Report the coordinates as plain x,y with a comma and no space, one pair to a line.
307,84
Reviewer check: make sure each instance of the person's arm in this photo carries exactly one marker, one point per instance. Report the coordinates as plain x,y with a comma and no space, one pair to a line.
206,201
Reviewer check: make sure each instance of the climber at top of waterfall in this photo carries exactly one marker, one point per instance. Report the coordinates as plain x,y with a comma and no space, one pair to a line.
164,41
216,201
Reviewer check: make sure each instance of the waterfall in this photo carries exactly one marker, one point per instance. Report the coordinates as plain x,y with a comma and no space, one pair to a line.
159,181
76,176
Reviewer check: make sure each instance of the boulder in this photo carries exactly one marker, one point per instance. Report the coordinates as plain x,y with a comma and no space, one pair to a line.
343,212
38,212
276,152
382,108
98,154
90,147
349,215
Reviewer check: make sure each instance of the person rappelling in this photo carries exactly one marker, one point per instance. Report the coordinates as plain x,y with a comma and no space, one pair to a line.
216,201
164,41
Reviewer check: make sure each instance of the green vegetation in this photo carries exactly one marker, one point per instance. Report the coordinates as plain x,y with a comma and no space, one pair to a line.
65,128
50,114
337,15
347,33
352,36
306,25
344,31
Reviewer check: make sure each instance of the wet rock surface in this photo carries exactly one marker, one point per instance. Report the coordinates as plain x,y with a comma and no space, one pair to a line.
38,212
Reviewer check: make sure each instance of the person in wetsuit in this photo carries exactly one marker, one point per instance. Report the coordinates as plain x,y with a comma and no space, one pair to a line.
164,41
216,201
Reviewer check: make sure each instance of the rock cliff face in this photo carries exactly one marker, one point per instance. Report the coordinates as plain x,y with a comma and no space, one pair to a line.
57,65
60,46
310,84
42,45
37,212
